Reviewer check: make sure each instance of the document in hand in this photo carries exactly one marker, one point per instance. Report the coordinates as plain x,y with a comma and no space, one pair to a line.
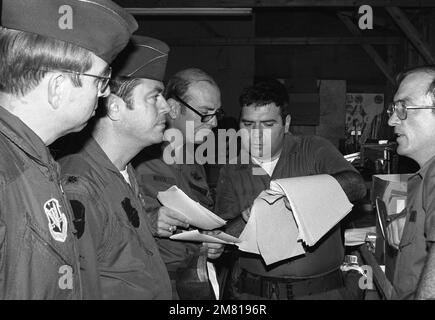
195,235
196,214
317,203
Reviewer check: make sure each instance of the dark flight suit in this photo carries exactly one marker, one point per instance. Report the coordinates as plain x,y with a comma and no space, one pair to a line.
155,175
418,232
119,257
238,187
38,250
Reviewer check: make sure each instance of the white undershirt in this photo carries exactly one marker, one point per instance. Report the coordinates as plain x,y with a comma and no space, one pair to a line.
267,166
126,176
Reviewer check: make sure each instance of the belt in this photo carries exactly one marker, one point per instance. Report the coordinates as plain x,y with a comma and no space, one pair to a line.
274,288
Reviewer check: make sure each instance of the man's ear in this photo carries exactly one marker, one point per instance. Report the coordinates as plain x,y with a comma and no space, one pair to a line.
114,106
56,90
174,108
288,120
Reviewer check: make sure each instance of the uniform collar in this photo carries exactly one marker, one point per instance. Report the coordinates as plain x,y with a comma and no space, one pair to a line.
290,145
422,172
23,137
96,153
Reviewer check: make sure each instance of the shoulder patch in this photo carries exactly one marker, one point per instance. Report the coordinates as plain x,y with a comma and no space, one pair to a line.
79,217
131,212
57,221
71,179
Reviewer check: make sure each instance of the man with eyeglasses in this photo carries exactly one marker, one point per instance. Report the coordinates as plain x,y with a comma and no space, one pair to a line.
54,65
412,114
118,254
194,101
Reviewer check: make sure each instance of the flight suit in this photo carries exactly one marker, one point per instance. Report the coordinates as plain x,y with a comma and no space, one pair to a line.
418,232
238,187
119,257
38,250
155,175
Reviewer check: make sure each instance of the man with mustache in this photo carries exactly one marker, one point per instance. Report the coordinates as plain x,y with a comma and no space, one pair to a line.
54,66
119,257
412,114
195,104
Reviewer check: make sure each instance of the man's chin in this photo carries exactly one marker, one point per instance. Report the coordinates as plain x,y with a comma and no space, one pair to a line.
78,128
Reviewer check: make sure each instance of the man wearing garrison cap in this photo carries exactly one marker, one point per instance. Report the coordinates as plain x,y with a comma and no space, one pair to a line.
119,256
53,68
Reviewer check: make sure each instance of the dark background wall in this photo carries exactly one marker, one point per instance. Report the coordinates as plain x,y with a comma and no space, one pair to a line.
237,50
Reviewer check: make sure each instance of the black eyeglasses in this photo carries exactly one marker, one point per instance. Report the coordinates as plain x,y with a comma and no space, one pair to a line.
400,109
219,114
103,81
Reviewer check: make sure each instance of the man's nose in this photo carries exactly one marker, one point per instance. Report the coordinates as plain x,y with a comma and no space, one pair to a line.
257,132
393,120
213,122
164,106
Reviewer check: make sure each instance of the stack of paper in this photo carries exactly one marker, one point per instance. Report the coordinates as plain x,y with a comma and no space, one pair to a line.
195,235
317,203
196,214
271,232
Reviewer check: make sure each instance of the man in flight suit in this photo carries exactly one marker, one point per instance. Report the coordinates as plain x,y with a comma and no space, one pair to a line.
275,154
119,256
194,100
53,68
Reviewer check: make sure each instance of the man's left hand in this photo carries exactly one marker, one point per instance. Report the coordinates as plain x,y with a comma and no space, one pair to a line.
214,250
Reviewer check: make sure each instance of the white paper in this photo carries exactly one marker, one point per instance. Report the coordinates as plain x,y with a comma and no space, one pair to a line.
195,235
357,236
248,237
213,279
275,235
318,203
196,214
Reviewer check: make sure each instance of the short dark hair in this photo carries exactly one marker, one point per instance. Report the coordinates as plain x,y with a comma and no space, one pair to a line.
123,87
23,56
429,69
180,82
265,92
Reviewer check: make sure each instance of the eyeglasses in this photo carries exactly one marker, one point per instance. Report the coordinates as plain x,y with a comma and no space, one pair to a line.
204,117
400,109
103,81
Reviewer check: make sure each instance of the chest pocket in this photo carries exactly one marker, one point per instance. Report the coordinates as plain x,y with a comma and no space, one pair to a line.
409,230
41,264
202,194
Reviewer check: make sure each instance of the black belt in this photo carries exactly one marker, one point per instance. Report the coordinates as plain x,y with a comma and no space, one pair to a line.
288,288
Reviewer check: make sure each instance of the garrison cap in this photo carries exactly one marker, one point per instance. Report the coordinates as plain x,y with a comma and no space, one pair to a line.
144,57
100,26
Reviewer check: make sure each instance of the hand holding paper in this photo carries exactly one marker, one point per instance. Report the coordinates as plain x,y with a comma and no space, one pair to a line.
168,219
195,235
196,215
317,204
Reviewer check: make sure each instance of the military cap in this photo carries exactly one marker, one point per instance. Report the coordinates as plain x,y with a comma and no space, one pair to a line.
144,57
100,26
